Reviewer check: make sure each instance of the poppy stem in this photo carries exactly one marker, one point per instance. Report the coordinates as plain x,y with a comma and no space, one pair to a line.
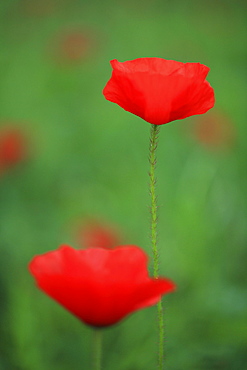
154,133
97,344
154,217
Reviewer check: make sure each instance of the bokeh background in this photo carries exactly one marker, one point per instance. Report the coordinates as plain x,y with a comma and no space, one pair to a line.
69,156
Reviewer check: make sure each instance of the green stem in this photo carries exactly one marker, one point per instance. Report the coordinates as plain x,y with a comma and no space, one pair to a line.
97,344
154,219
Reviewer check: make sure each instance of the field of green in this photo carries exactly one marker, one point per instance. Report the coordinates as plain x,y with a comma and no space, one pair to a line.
86,158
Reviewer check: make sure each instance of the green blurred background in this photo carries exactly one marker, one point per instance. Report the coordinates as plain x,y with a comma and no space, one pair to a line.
87,158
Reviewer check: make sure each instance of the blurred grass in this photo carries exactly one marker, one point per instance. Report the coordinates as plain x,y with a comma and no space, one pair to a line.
88,158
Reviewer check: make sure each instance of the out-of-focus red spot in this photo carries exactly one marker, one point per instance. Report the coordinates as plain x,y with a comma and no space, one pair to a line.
214,130
95,234
12,147
72,46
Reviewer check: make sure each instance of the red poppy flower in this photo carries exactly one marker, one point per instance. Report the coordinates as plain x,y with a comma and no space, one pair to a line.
160,90
98,235
97,285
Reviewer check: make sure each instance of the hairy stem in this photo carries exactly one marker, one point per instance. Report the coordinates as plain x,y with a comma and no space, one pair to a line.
154,220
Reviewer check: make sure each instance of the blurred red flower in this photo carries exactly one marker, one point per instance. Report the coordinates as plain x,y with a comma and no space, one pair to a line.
72,46
98,286
214,130
12,147
95,234
160,90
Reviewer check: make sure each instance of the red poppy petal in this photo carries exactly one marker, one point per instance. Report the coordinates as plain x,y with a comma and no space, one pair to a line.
99,286
65,260
134,266
93,302
150,293
197,99
157,65
196,71
76,295
159,90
